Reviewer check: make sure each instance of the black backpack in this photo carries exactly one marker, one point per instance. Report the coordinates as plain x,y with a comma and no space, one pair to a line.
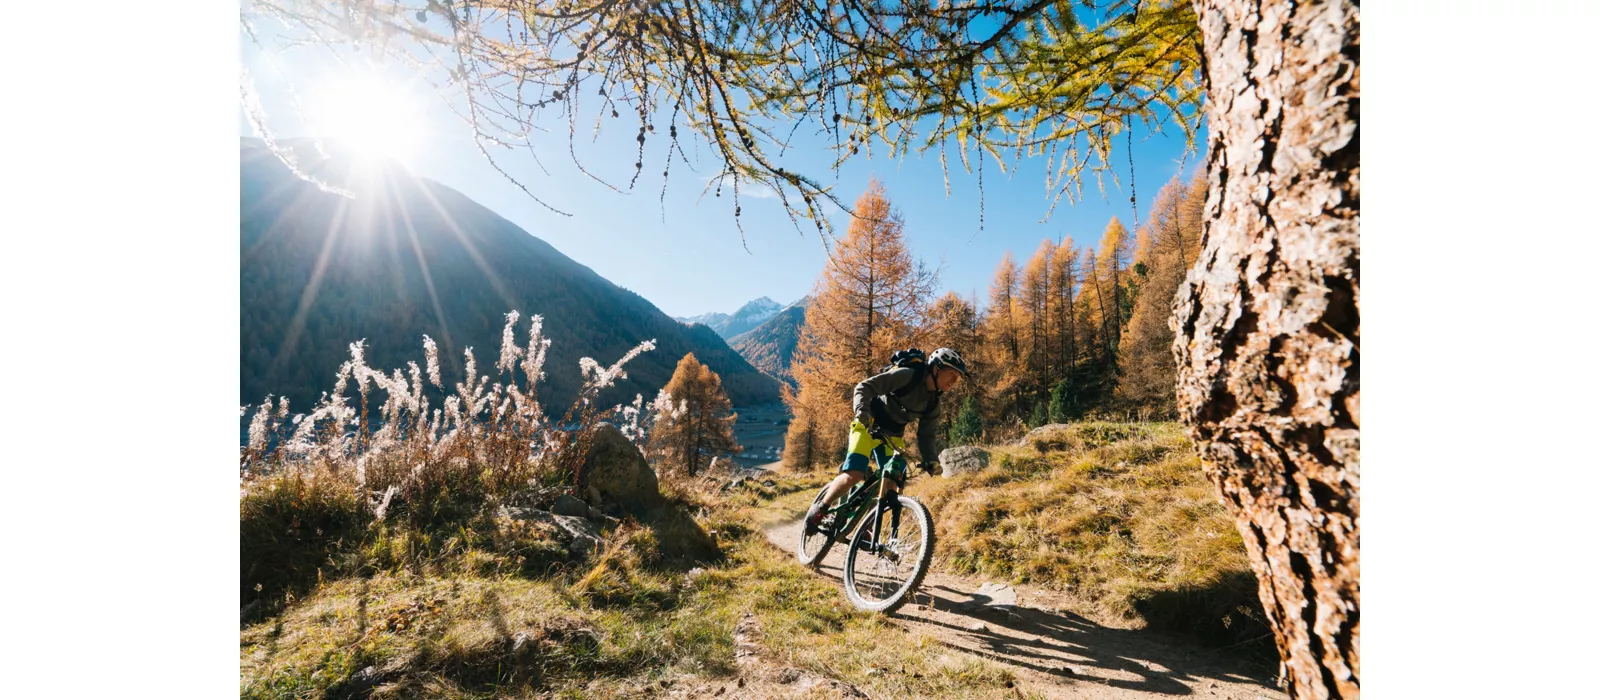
909,357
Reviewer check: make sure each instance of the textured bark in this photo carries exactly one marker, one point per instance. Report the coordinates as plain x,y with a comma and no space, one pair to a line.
1268,324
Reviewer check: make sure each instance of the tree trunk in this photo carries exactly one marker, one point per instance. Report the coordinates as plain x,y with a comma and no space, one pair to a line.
1268,323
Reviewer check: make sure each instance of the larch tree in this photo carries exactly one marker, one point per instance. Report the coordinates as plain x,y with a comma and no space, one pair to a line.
1034,293
1267,330
1100,311
953,323
1001,328
701,428
1169,240
803,447
1112,263
870,299
1268,322
1064,283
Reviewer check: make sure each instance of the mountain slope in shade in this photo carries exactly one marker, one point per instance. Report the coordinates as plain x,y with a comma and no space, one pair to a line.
413,257
747,317
770,346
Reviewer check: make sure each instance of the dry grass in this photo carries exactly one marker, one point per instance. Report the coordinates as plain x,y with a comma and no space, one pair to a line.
1118,515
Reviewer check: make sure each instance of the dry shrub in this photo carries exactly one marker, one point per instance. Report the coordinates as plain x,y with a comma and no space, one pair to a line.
290,526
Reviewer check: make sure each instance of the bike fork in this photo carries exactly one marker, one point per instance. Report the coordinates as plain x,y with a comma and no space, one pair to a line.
893,507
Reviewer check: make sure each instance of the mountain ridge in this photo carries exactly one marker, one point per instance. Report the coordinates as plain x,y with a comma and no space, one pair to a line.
745,318
770,346
319,271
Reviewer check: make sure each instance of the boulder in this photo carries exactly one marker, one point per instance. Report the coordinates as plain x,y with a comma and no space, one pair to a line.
579,535
570,505
618,473
963,460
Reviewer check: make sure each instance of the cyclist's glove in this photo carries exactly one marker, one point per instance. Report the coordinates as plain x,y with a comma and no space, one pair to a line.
877,433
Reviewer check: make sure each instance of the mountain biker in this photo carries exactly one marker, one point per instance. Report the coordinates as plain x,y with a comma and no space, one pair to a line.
883,405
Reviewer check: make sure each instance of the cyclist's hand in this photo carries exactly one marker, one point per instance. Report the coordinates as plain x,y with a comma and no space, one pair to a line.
877,433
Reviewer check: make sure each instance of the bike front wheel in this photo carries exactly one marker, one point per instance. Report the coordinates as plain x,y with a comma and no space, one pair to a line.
887,563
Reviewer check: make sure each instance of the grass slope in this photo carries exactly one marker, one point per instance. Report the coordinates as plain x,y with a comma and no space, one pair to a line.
1119,515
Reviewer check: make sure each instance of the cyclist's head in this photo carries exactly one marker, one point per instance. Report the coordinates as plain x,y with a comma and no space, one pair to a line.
943,361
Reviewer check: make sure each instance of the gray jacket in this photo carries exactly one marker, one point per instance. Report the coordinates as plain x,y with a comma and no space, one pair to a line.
873,397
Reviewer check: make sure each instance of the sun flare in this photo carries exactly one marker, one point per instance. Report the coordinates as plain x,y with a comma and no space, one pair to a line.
375,116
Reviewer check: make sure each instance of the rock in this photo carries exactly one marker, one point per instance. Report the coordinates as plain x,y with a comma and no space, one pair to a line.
976,626
618,473
991,595
248,610
963,460
580,536
575,636
769,483
747,641
569,505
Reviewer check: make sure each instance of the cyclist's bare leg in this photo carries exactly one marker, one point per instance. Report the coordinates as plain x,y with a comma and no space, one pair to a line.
841,484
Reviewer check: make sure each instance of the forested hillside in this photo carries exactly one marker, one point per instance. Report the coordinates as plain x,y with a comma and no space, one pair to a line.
413,257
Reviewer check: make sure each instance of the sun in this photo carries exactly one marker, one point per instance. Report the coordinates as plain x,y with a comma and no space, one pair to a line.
374,115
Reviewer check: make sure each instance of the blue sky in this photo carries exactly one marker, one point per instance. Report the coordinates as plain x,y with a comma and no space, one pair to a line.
688,258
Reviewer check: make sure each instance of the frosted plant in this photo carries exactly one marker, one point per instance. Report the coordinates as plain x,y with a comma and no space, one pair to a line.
630,423
596,378
533,360
259,424
491,435
509,352
431,351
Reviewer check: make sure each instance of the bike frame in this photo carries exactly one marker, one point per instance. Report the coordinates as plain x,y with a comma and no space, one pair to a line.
852,506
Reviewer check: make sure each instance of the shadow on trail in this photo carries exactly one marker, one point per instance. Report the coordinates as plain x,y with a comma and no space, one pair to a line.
1064,648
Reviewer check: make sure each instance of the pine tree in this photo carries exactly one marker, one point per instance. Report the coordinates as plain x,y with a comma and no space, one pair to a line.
968,426
702,428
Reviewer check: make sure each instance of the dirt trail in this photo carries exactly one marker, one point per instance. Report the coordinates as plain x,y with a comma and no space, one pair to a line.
1054,652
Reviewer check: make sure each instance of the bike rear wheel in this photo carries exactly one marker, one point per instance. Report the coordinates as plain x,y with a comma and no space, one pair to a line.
812,548
882,577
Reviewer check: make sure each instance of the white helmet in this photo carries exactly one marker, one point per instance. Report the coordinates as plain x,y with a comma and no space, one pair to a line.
945,357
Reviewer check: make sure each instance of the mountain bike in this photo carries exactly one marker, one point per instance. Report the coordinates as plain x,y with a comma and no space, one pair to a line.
891,550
